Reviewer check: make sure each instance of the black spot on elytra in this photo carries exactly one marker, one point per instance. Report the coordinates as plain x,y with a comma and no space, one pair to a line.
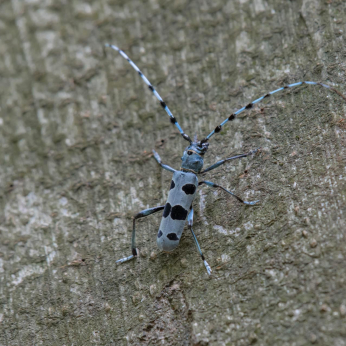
172,185
159,235
178,213
167,210
189,189
172,236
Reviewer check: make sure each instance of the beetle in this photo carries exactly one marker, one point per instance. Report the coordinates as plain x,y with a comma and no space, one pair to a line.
184,182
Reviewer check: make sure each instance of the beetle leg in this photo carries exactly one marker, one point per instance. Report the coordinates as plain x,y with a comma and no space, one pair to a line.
219,163
158,159
141,214
190,221
210,184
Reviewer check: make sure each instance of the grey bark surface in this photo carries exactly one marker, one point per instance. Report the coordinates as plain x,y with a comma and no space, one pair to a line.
77,126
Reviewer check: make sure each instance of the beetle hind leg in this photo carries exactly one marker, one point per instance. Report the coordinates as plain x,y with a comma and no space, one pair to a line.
125,259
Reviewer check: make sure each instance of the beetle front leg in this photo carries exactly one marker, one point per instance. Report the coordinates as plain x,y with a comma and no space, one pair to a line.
141,214
158,159
221,162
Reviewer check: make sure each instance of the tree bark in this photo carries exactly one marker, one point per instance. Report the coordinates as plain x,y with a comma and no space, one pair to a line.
77,126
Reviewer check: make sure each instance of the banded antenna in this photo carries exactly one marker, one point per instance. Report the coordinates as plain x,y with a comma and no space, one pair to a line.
150,86
250,105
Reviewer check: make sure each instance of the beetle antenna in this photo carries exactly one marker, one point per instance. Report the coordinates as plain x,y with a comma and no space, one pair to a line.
163,104
250,105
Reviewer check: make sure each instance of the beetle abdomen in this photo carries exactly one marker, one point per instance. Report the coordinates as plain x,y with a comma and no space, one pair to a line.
181,195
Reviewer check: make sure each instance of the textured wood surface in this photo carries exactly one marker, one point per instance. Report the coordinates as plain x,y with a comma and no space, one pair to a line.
77,126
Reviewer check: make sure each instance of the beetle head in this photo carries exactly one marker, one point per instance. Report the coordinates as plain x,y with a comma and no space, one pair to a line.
192,159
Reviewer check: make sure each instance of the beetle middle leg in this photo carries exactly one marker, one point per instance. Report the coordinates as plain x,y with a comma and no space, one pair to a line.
190,222
141,214
210,184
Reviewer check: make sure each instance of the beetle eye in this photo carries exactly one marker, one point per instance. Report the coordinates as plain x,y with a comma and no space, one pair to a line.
189,152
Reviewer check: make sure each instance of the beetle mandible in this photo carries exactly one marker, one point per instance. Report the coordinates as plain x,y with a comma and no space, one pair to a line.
185,182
